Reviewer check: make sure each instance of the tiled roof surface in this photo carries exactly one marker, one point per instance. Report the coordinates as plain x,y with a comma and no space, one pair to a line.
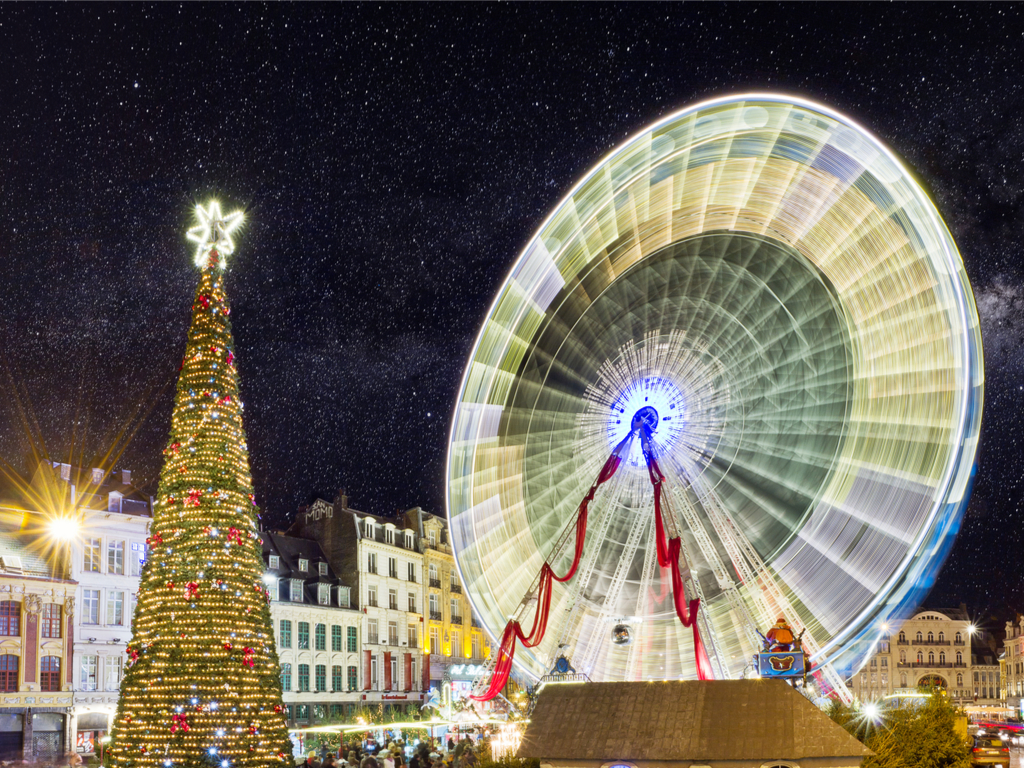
682,720
18,540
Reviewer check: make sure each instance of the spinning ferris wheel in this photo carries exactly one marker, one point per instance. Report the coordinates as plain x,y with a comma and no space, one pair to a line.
758,292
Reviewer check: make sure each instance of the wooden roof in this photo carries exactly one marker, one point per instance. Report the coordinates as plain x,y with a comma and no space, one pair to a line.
682,720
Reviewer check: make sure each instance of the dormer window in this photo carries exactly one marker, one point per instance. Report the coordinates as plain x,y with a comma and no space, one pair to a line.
97,476
408,540
344,597
432,537
324,594
114,502
303,564
389,535
368,528
296,590
275,562
323,570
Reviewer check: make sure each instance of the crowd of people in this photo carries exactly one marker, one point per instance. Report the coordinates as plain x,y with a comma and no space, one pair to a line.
431,753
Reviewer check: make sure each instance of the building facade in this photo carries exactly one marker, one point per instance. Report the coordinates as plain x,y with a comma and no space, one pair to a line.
317,630
37,602
1011,664
456,645
940,649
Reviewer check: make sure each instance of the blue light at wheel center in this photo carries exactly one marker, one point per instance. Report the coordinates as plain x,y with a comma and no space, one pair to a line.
665,398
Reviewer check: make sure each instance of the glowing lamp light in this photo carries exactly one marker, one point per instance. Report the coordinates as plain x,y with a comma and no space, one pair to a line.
872,712
214,233
64,528
971,629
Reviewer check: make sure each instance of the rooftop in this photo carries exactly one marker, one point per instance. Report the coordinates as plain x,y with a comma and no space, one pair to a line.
682,720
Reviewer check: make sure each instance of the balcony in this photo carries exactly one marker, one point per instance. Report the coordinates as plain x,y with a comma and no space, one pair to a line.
435,616
371,639
456,620
457,589
435,583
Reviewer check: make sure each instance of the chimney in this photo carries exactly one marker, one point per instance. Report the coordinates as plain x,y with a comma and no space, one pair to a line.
126,476
1009,630
342,498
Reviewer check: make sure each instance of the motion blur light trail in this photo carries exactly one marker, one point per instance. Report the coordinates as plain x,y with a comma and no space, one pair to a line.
769,270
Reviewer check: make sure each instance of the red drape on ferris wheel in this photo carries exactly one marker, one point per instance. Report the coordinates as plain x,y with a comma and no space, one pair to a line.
668,556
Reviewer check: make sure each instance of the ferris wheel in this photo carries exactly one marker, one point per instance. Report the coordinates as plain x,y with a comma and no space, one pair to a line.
759,294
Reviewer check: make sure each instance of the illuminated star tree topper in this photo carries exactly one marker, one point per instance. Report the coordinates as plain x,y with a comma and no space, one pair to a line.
213,234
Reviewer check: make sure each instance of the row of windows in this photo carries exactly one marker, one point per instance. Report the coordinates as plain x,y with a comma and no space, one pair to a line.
320,678
117,612
49,673
92,557
455,605
920,638
275,563
389,534
294,589
90,673
319,637
920,658
10,619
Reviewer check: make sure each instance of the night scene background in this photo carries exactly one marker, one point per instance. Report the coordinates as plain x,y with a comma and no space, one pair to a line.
392,161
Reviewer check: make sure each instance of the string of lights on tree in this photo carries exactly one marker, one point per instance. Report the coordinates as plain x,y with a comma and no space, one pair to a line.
202,681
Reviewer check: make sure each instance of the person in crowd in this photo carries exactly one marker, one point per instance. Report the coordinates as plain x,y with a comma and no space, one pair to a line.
328,761
368,761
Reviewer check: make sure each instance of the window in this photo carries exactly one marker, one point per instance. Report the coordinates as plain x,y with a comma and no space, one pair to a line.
344,597
371,631
113,673
296,590
903,637
413,636
434,581
8,673
412,572
874,662
303,677
920,637
885,661
903,680
353,678
457,649
275,562
392,633
115,557
321,637
353,642
435,645
392,568
478,655
959,639
412,674
412,602
91,559
393,599
324,594
931,657
903,657
942,657
920,658
321,677
303,636
303,564
335,637
273,588
432,538
10,618
90,606
373,673
371,562
455,607
369,528
454,575
394,673
49,673
435,611
286,634
51,619
337,679
931,637
408,542
942,637
371,595
959,657
286,677
138,557
322,568
115,608
88,677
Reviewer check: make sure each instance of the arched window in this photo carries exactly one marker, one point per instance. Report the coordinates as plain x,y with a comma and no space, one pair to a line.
8,673
931,638
49,673
959,658
942,637
959,638
920,637
903,637
959,678
903,657
903,680
920,658
931,657
942,657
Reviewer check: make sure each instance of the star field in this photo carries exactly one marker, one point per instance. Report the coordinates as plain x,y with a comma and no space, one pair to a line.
391,161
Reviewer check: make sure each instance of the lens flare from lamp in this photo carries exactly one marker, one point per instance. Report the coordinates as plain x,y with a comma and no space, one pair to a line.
64,528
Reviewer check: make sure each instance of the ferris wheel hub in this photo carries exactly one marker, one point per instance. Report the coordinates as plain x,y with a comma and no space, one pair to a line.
646,416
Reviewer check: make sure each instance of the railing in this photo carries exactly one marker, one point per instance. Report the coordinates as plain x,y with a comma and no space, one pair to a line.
372,639
435,583
456,620
457,588
435,616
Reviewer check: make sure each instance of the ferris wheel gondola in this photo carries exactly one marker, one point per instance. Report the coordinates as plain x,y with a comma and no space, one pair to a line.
765,287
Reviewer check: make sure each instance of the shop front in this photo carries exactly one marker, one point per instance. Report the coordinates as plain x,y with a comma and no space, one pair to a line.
90,730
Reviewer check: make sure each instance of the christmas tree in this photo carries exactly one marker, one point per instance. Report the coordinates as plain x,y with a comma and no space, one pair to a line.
202,682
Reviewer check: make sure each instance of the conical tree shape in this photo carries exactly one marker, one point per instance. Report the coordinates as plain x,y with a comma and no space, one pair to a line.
202,682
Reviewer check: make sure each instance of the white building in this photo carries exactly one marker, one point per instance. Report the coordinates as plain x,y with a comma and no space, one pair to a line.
316,628
106,560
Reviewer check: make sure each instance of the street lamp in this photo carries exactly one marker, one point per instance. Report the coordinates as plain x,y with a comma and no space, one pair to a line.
64,528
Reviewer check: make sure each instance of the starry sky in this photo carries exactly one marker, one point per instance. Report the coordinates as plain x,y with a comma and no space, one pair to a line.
392,160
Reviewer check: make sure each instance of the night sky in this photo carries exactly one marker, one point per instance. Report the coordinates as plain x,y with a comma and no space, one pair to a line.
392,161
